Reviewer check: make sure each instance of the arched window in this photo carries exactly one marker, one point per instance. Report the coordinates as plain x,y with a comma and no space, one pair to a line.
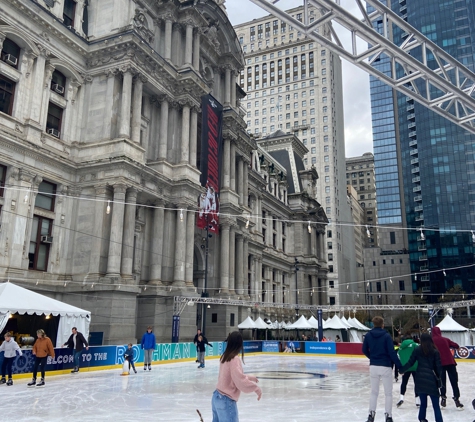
10,53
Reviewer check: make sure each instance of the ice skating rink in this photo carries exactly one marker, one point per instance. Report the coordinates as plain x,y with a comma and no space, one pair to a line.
295,388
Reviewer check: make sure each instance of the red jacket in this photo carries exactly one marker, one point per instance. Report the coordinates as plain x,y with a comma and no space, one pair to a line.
444,345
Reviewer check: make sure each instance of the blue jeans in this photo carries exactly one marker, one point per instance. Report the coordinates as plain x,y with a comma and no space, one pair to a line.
76,358
435,405
224,408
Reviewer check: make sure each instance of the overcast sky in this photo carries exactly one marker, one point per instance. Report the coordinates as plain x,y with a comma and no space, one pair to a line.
358,138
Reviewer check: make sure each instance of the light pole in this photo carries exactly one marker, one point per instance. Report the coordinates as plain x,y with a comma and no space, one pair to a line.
204,293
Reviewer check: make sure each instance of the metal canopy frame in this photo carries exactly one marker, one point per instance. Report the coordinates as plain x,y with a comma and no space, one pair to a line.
180,303
429,75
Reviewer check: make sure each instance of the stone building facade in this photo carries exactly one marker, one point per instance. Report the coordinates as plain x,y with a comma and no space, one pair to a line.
100,134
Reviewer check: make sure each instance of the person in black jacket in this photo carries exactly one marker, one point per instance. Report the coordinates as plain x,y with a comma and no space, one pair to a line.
77,342
378,348
429,370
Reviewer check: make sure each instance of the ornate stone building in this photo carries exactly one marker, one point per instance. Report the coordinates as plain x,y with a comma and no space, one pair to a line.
100,134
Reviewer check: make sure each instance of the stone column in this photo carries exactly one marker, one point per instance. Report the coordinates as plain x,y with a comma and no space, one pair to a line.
177,43
259,213
226,163
147,112
100,219
239,264
227,86
196,50
232,87
157,24
224,258
193,136
167,55
79,18
245,191
116,233
137,108
163,145
49,69
190,244
156,254
129,233
232,260
124,131
189,44
36,86
185,134
313,241
180,247
321,246
232,167
240,180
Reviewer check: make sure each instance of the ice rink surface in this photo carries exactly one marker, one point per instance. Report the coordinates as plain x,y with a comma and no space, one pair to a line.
295,388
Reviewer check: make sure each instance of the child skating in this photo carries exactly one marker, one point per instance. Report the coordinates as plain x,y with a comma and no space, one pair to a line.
10,348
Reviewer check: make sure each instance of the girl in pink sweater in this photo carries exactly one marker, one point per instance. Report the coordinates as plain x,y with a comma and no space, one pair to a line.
232,381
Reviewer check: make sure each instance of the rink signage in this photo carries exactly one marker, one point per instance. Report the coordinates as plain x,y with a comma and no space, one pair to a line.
270,346
325,348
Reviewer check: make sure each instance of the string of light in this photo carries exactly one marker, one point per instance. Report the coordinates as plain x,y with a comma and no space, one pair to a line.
247,216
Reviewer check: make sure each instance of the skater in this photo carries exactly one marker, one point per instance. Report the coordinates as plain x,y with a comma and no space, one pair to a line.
396,371
10,348
449,366
76,341
41,350
195,341
201,346
231,381
129,356
378,348
148,345
405,351
428,371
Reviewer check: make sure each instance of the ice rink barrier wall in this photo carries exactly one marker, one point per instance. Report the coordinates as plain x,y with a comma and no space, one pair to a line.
108,357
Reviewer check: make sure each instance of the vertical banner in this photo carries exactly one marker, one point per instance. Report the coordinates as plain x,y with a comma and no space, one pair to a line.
211,158
320,324
176,329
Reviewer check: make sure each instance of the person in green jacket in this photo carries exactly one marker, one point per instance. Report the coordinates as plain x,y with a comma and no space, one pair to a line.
405,351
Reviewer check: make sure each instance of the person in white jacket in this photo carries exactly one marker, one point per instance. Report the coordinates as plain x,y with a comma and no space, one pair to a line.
10,348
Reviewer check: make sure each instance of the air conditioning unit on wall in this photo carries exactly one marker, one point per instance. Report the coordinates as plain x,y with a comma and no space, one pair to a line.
54,132
46,239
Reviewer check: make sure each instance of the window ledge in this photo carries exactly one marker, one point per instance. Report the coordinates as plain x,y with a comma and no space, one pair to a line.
9,72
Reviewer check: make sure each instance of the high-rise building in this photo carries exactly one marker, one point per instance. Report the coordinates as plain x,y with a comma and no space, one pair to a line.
294,84
425,166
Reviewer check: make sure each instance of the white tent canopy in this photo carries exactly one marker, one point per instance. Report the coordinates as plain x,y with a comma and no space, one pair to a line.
334,324
300,324
313,322
260,324
16,299
454,331
247,324
358,324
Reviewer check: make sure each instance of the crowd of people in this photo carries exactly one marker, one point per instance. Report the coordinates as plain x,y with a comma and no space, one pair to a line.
428,360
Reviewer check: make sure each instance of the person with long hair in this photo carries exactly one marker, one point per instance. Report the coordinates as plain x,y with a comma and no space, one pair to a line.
42,348
428,372
231,381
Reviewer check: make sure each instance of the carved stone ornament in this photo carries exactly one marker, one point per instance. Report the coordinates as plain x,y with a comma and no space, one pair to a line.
140,24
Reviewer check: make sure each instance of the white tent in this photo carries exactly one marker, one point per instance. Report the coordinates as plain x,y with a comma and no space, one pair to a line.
300,324
313,322
333,327
16,299
260,324
454,331
358,324
247,324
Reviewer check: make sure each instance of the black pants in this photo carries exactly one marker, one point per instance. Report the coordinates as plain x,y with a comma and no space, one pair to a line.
7,367
451,370
40,362
405,379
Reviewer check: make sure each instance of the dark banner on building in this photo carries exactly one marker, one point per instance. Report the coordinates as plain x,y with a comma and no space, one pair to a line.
211,156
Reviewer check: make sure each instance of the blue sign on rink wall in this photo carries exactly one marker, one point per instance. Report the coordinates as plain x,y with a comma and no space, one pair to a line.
324,348
252,346
270,346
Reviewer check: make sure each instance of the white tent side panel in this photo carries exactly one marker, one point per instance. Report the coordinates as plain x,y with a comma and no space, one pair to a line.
66,323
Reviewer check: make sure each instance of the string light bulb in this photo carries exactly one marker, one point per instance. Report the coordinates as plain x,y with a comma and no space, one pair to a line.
390,280
415,277
368,233
181,215
247,222
347,286
25,199
473,236
309,228
108,209
367,284
443,271
423,237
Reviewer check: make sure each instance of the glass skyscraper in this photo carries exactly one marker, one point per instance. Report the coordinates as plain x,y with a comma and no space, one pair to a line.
425,173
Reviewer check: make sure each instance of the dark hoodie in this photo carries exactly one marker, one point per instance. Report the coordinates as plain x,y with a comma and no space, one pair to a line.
379,349
444,345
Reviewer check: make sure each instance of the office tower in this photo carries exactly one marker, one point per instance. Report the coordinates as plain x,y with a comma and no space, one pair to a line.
425,174
295,85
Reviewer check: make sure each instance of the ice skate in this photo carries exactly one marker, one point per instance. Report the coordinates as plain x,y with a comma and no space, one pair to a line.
76,369
41,383
458,404
371,416
399,403
473,404
149,367
388,418
10,382
443,401
418,402
3,381
32,383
